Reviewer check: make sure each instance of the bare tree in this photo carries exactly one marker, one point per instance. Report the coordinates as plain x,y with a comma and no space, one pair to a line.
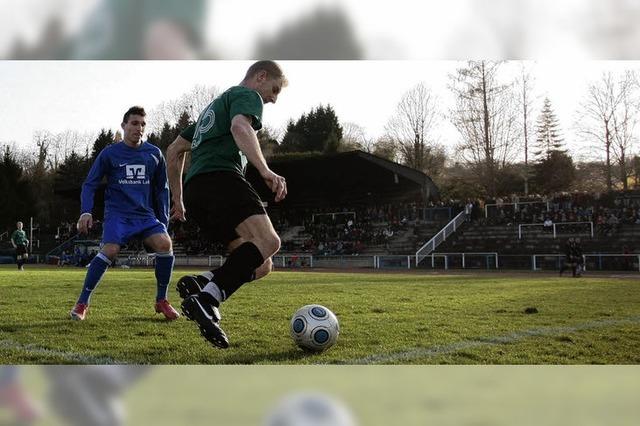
601,110
385,148
412,127
525,83
354,136
625,120
64,143
193,102
486,117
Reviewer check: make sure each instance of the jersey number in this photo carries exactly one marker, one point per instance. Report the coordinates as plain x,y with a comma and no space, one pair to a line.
205,123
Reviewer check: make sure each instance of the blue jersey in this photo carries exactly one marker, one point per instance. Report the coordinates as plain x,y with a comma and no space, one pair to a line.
137,185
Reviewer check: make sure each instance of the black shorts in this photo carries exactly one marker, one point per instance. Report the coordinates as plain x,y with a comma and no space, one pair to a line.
218,202
21,250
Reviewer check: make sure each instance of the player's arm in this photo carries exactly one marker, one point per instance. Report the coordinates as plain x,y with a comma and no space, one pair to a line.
175,167
89,187
13,237
161,192
247,141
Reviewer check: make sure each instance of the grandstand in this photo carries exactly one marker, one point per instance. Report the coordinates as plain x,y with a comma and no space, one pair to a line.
356,209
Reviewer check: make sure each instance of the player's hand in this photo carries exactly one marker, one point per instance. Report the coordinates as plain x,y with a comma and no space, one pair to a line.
85,223
276,183
178,212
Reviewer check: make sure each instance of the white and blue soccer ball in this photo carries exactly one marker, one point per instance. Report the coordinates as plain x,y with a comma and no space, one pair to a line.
314,328
310,409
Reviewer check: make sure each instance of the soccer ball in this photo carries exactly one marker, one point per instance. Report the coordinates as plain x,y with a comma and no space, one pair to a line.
310,409
314,328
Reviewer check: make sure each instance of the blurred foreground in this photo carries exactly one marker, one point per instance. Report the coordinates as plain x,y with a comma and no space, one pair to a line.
337,396
319,29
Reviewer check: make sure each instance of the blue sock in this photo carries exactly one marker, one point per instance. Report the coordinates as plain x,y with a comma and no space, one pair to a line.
164,267
97,268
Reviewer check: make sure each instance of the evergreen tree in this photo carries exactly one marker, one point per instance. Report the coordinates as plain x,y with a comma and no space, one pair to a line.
268,142
549,138
183,122
294,135
17,195
71,173
319,130
554,173
167,135
67,185
105,138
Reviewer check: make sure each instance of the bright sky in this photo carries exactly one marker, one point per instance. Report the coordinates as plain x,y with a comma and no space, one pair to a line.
399,29
88,96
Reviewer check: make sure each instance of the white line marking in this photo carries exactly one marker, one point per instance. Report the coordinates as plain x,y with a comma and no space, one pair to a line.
438,350
67,356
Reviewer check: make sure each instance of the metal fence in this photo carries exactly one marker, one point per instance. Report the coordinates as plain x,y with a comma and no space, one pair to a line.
573,229
489,261
440,237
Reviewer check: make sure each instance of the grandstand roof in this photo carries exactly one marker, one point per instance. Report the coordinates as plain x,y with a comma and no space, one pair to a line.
348,178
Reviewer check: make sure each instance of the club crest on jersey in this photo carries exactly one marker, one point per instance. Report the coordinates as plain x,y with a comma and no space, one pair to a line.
135,171
134,174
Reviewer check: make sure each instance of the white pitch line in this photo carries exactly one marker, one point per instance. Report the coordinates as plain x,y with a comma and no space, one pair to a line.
438,350
67,356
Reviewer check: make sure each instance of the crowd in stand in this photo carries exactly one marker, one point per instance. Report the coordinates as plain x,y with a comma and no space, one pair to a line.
351,230
330,237
189,237
347,231
606,213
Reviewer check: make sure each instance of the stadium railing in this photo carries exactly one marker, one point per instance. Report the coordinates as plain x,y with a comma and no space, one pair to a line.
447,261
61,247
440,237
393,261
555,225
466,260
592,261
293,261
515,205
213,261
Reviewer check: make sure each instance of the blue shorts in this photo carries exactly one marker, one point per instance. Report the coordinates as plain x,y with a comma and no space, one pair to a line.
119,230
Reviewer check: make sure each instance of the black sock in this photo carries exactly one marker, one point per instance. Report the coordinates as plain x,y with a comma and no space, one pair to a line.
240,268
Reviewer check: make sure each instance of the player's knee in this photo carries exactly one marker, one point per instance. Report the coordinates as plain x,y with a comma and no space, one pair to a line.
268,244
110,252
163,246
267,265
272,243
264,269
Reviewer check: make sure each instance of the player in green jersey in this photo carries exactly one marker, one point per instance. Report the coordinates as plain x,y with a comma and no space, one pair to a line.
20,242
218,198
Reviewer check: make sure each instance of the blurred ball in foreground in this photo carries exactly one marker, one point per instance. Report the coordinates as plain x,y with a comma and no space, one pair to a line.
310,409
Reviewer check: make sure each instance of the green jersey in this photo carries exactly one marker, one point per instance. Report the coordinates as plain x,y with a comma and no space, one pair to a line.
212,145
19,238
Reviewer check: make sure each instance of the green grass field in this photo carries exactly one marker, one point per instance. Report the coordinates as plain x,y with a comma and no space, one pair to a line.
379,395
385,318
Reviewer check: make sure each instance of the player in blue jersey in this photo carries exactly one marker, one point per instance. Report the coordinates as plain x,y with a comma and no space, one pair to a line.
136,206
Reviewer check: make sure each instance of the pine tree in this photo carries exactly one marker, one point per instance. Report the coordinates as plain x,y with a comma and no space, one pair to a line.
183,122
319,130
105,138
17,195
549,139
